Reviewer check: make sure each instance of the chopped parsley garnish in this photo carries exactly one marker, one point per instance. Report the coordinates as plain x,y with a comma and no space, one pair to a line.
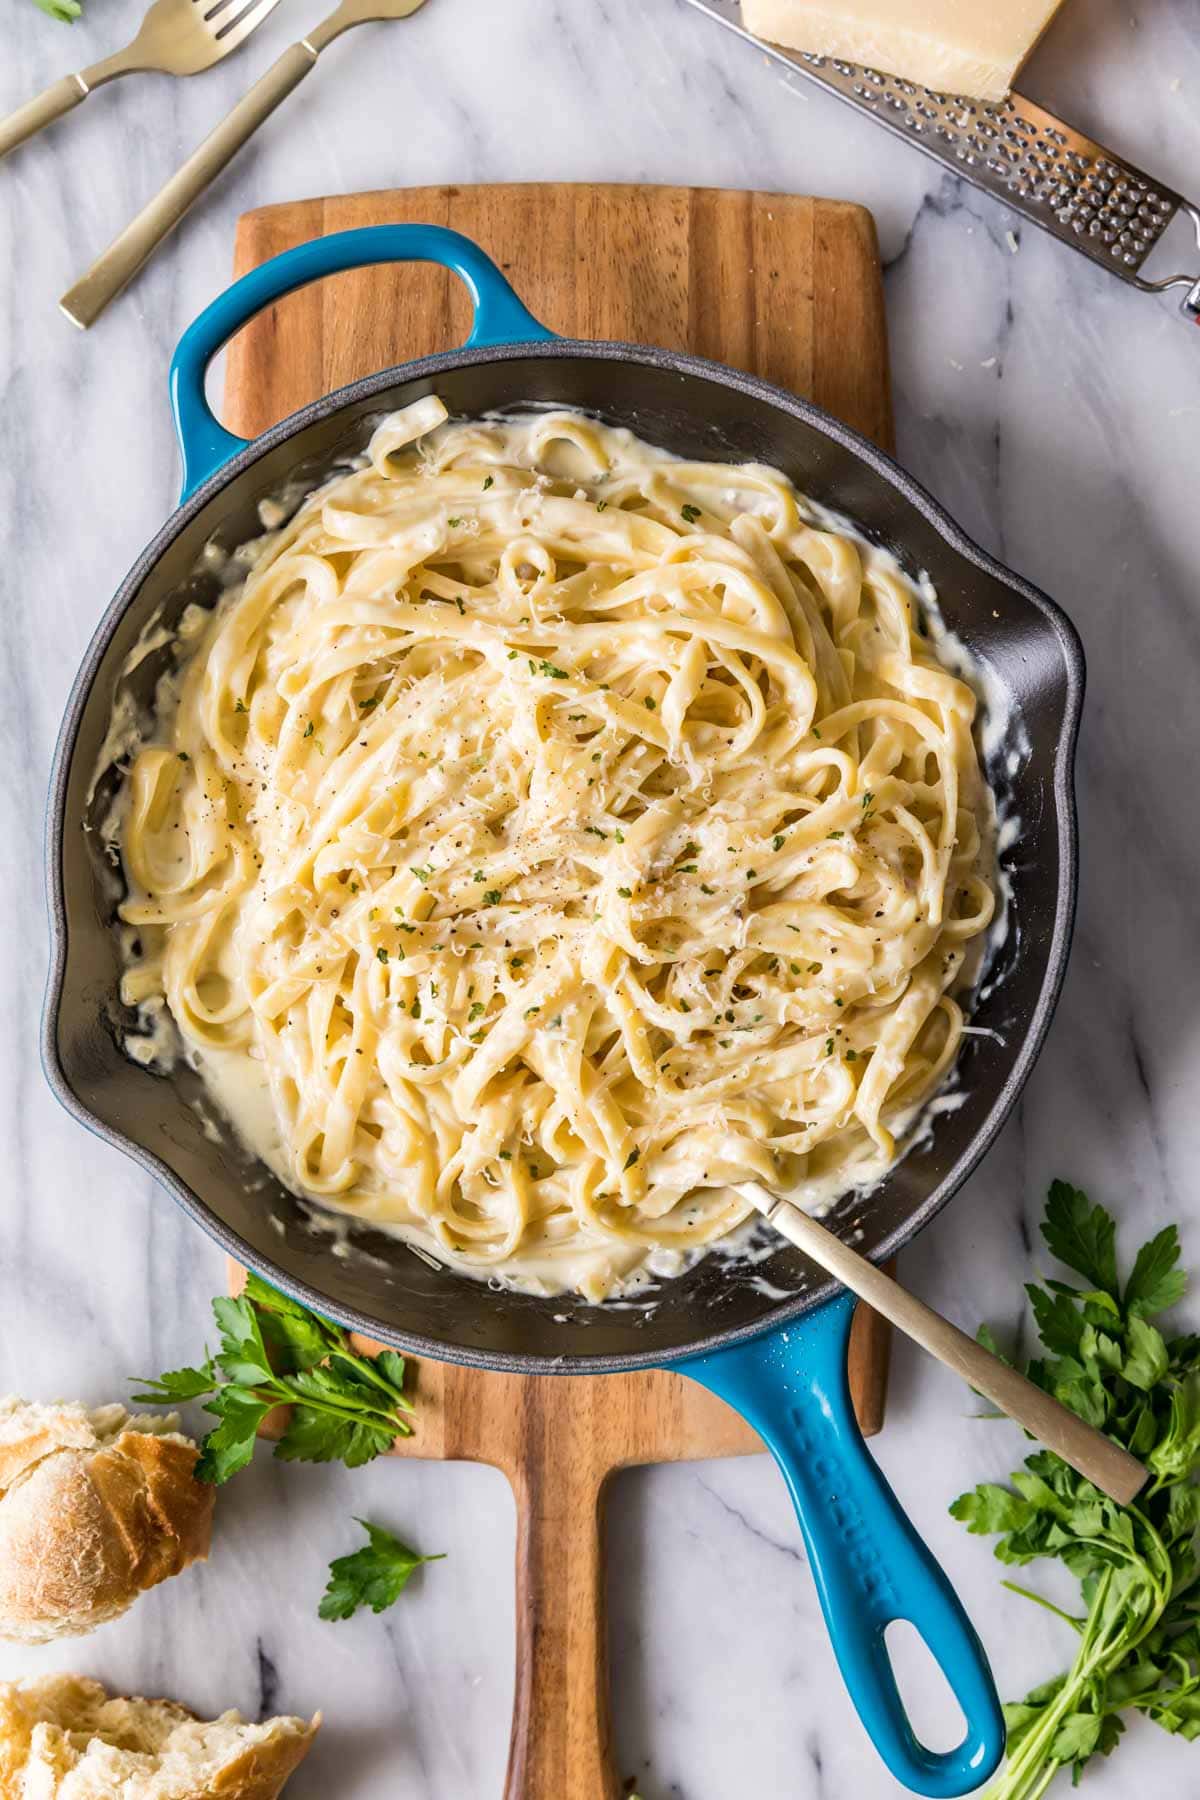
489,481
600,505
309,729
492,897
369,705
552,673
422,874
690,513
777,841
648,703
625,893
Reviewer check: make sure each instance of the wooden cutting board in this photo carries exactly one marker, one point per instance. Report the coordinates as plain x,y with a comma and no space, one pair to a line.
784,286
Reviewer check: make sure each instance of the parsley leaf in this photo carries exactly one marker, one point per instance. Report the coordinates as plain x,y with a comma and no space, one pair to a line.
1137,1637
374,1576
1156,1283
275,1352
230,1445
1082,1236
178,1385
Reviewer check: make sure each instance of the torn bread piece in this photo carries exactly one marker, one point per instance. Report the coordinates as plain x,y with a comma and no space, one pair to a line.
64,1737
96,1506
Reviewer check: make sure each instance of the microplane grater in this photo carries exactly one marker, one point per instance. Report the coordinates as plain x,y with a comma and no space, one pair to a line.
1038,166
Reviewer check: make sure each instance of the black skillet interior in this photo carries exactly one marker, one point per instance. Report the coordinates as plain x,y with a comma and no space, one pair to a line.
1030,653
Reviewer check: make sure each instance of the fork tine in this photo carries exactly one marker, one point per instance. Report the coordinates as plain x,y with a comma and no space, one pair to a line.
213,7
234,30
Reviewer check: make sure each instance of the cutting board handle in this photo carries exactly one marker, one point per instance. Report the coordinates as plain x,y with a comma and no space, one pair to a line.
499,318
560,1746
870,1566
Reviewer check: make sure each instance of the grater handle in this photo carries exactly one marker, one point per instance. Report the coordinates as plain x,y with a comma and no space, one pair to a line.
1189,305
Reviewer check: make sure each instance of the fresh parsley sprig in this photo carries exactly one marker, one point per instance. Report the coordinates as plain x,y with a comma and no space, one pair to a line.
374,1576
66,11
1138,1630
275,1352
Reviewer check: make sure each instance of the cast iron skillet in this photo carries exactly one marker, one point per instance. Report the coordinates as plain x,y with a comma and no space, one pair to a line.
780,1361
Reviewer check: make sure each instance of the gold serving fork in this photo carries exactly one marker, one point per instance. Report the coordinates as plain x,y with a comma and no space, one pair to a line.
177,37
84,303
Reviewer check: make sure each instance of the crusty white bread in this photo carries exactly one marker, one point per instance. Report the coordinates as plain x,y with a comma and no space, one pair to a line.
95,1507
64,1738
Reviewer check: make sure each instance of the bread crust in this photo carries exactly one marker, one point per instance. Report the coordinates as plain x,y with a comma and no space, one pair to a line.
65,1736
87,1526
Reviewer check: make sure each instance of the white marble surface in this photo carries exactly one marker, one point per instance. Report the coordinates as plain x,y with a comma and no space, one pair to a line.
1055,411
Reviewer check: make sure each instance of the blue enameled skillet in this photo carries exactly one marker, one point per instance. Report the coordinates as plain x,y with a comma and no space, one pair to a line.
780,1361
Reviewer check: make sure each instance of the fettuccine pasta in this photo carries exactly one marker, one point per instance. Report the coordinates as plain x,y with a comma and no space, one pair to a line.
548,834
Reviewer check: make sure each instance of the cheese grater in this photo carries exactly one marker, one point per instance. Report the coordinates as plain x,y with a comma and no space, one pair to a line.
1043,169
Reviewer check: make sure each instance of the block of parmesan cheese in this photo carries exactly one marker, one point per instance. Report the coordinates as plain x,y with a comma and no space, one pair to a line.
970,47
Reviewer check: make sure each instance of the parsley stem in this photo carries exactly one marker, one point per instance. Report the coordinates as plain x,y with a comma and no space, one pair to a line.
284,1395
1072,1619
366,1367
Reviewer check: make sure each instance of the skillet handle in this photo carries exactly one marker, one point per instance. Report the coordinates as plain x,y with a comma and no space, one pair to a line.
869,1565
500,318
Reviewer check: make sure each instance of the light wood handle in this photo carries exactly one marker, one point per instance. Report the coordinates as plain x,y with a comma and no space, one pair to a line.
112,271
57,99
560,1743
1087,1450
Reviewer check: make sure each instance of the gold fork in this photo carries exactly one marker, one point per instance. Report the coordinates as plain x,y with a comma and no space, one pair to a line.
177,37
117,266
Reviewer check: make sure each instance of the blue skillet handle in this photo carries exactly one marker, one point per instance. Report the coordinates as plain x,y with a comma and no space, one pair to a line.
869,1565
204,442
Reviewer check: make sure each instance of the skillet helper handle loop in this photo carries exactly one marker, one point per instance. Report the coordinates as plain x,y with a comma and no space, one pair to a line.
59,98
499,318
869,1564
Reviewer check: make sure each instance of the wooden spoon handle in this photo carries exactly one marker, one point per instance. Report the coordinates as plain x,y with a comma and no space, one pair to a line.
1087,1450
560,1744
